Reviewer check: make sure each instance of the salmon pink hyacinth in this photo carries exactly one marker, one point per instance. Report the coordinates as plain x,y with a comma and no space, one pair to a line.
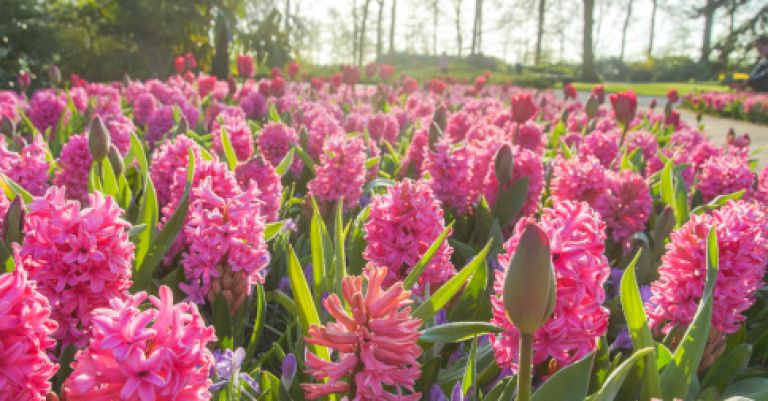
374,343
742,238
576,235
232,119
342,157
450,176
260,172
403,223
722,175
140,354
626,206
80,258
74,165
166,159
26,331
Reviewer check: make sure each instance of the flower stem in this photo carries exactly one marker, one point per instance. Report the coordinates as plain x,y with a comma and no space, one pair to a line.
524,368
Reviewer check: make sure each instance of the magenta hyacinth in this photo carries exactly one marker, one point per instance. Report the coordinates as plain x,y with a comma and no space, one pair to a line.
28,168
576,234
260,172
342,157
526,164
232,119
579,179
120,129
374,343
26,334
450,176
46,108
742,238
403,223
604,145
275,141
383,127
139,354
166,159
80,258
529,136
722,175
74,166
626,206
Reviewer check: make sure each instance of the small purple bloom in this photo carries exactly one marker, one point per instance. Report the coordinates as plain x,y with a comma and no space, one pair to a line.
289,368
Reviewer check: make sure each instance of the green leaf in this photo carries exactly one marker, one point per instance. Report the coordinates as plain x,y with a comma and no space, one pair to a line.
727,367
446,292
613,384
272,229
473,303
258,324
306,158
109,180
637,324
222,321
308,314
372,162
137,153
318,235
752,389
569,384
681,200
457,332
148,215
677,377
503,390
340,255
470,372
12,189
667,186
418,268
719,201
65,366
165,238
566,150
229,152
274,116
285,164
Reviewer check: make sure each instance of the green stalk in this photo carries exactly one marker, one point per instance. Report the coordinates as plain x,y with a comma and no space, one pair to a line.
524,368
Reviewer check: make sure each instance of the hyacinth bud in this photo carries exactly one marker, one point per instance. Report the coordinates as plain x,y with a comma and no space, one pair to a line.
592,107
54,74
13,221
115,160
529,286
288,370
504,165
183,126
7,127
98,139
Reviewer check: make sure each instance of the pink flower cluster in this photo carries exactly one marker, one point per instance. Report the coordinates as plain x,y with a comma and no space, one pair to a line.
576,235
46,109
139,354
258,172
723,175
166,159
232,120
374,343
275,141
341,171
80,258
403,223
526,164
742,238
26,331
74,166
450,176
29,167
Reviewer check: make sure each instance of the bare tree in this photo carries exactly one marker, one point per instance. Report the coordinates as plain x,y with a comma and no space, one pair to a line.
435,10
379,44
392,27
624,29
588,72
361,42
354,31
653,27
540,31
457,6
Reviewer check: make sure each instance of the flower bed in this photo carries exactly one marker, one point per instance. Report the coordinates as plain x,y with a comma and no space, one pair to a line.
739,105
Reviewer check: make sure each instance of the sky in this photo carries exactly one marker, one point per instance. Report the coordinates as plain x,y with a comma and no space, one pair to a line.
510,27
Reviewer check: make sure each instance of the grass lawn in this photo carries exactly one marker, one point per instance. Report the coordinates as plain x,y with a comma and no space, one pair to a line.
655,88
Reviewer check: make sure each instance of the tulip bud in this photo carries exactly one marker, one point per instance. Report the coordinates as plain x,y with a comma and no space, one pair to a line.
529,285
592,107
504,165
304,137
98,139
115,160
7,127
523,107
54,74
13,221
667,109
437,127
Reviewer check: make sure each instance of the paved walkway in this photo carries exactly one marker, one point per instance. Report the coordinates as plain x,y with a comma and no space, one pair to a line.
717,128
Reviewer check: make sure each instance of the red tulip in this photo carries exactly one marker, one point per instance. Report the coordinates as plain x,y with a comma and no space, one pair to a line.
672,96
277,86
570,91
206,84
386,71
24,80
316,83
179,64
190,61
370,70
293,69
624,106
276,72
410,85
523,107
336,80
599,92
245,66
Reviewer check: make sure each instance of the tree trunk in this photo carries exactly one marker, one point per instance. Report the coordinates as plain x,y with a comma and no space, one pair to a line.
379,44
653,28
354,31
392,27
624,30
709,19
287,23
361,50
588,73
458,27
220,65
434,28
477,28
540,31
